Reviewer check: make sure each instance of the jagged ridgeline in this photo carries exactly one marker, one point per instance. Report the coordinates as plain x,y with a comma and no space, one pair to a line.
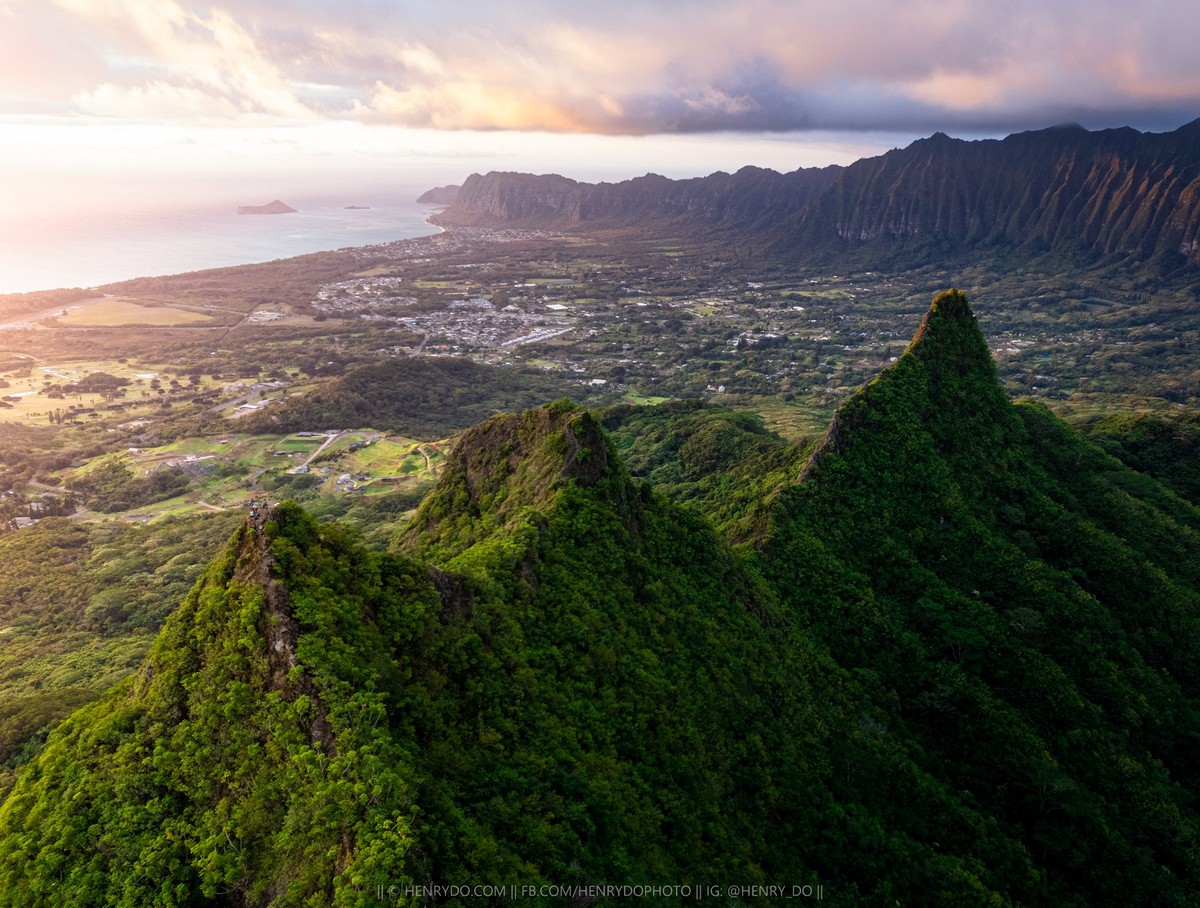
1065,196
951,658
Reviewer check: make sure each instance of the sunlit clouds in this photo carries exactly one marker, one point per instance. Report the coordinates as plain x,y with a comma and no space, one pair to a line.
172,61
94,89
620,68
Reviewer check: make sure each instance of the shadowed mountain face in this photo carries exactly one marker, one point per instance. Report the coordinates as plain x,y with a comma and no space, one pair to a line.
752,197
952,652
1115,194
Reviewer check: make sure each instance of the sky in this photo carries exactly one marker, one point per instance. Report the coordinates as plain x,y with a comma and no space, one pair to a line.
116,96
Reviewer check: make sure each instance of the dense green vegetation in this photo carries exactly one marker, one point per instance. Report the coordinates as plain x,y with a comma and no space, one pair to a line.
1166,447
1027,605
421,398
245,763
113,487
79,607
722,462
948,658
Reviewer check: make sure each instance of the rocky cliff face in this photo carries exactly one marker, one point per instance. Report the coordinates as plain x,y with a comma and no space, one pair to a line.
752,197
1117,192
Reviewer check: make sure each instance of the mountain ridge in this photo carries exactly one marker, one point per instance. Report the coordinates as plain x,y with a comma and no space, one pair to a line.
1114,195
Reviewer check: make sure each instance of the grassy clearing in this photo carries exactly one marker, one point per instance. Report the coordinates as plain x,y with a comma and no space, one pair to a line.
196,445
792,420
293,445
634,397
381,456
112,312
27,401
254,451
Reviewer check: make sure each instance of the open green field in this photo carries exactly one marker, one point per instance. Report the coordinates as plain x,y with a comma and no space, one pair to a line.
792,421
294,445
380,456
634,397
28,401
109,312
27,394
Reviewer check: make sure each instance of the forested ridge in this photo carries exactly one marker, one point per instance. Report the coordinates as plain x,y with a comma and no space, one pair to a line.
948,657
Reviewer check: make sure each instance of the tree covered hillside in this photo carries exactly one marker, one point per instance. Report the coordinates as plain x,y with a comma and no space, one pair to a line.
1025,603
947,658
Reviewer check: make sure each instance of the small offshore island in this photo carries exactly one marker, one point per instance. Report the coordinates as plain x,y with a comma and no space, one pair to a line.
275,207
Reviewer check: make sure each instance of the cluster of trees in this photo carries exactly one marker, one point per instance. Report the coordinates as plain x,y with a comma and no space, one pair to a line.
113,487
420,398
13,507
102,383
80,603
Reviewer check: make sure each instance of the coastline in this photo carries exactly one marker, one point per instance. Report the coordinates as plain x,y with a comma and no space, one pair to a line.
97,254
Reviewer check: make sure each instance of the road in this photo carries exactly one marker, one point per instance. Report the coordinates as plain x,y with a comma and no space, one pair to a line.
329,439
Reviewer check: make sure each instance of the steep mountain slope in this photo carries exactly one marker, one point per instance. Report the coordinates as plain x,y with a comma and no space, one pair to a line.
597,690
246,764
951,660
1114,195
751,198
1029,604
629,703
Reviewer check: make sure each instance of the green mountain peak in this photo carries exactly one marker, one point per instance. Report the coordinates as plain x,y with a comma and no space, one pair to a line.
513,466
949,337
245,763
940,399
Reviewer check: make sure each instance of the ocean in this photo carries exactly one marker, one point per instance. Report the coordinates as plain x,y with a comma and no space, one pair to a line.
43,250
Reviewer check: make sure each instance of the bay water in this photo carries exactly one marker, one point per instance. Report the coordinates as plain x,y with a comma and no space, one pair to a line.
122,239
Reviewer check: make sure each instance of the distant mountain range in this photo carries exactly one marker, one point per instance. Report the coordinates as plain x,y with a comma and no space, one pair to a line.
1115,196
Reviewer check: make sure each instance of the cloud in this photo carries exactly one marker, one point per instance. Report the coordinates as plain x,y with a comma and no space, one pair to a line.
623,67
161,50
154,101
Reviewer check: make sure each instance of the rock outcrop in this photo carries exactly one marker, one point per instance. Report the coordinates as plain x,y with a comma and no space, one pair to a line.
275,207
